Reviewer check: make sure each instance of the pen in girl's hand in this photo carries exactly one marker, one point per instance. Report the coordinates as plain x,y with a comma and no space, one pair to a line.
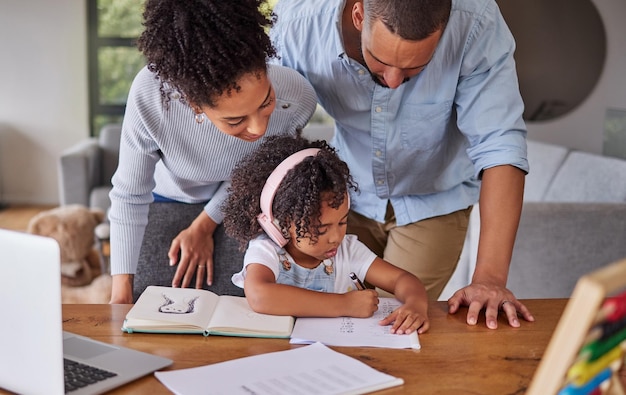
357,282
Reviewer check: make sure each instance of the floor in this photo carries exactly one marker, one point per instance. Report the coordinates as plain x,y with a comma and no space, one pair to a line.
16,216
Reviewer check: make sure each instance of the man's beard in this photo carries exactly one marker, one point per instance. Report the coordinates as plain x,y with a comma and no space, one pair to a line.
374,77
378,82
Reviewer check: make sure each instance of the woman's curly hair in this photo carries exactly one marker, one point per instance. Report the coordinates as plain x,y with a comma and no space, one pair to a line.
203,47
298,198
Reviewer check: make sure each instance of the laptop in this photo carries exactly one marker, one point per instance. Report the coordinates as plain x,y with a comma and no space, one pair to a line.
33,346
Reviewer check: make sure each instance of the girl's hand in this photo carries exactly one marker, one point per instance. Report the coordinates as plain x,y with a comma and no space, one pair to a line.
406,319
361,304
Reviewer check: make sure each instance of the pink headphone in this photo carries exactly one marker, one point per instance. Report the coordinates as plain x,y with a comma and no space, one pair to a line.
266,219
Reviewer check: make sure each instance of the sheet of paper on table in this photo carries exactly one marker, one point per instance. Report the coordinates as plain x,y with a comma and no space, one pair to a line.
355,332
313,369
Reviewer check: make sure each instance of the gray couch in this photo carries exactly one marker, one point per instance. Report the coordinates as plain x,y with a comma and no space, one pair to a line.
573,221
85,169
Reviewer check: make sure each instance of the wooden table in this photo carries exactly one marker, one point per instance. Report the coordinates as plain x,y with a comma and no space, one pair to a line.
455,358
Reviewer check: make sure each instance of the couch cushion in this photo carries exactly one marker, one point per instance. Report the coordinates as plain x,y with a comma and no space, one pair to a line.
557,243
586,177
544,160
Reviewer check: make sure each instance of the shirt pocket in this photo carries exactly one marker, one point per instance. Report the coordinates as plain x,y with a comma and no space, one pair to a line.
424,126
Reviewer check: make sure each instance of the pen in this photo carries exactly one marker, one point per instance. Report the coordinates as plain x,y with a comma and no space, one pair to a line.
357,282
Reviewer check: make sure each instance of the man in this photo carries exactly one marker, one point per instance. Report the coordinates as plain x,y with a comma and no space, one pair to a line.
428,116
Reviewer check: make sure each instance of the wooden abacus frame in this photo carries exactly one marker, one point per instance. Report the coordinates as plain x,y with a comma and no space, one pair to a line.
573,326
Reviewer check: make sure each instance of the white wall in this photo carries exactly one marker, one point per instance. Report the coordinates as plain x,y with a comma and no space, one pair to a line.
583,128
44,100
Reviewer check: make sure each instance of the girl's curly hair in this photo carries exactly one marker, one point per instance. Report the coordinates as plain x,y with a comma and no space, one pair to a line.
317,179
203,47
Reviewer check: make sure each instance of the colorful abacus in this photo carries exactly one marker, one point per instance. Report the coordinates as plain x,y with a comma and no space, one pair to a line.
588,346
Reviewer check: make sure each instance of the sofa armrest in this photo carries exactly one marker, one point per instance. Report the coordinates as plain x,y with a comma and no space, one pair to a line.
557,243
79,171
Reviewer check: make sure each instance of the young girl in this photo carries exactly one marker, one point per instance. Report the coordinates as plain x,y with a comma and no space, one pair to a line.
297,191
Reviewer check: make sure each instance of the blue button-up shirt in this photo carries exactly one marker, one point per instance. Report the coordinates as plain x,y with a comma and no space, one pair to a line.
423,145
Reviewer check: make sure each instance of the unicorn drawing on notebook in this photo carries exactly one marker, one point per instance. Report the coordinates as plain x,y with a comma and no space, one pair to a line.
171,306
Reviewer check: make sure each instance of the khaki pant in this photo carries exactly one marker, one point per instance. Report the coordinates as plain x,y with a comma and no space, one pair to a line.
430,248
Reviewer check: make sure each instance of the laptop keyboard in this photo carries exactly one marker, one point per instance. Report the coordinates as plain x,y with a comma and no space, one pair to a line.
79,375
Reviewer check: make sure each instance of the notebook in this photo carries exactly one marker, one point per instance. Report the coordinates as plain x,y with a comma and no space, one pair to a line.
33,343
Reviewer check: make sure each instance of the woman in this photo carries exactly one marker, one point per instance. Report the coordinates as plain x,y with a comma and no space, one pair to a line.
205,100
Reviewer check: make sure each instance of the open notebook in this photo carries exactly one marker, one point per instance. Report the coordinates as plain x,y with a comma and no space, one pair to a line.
34,346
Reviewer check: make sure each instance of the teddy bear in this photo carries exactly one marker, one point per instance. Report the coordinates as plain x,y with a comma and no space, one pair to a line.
72,226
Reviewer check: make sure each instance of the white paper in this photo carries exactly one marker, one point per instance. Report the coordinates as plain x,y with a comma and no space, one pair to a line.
313,369
355,332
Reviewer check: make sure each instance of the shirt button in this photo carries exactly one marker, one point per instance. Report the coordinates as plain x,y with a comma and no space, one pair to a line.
379,153
361,71
175,96
286,106
378,109
380,182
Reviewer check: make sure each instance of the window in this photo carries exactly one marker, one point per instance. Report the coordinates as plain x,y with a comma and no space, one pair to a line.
113,27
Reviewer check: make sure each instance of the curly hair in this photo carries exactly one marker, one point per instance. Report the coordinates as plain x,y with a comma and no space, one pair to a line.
202,48
409,19
298,198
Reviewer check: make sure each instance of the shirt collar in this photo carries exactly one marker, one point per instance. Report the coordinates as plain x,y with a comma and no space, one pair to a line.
339,47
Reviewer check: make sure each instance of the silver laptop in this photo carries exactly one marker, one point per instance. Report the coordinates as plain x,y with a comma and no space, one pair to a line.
33,346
